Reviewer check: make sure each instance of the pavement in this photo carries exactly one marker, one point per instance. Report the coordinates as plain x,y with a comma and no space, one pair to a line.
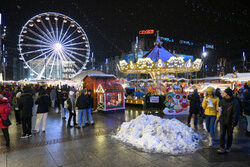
94,146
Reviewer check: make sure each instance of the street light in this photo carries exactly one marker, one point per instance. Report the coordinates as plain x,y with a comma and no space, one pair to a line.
204,55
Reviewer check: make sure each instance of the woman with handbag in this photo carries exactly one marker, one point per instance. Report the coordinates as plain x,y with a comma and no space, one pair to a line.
5,109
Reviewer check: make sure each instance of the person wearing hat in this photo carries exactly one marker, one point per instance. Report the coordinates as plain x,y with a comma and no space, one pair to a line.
4,113
210,104
229,112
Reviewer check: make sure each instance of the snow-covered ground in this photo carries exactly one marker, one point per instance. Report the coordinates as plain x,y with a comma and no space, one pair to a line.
154,134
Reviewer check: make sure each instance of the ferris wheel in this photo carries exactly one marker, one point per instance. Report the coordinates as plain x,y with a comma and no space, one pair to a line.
53,46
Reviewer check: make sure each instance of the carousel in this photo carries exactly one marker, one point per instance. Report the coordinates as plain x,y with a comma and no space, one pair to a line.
160,65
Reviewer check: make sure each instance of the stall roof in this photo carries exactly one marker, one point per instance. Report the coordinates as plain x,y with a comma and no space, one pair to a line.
78,78
108,82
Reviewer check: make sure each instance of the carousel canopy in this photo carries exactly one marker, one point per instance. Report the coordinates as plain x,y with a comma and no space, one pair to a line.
158,61
158,52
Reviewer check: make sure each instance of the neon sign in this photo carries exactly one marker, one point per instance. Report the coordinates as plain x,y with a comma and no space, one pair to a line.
149,31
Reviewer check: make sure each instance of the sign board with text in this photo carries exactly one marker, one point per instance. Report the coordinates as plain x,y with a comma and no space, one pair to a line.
154,99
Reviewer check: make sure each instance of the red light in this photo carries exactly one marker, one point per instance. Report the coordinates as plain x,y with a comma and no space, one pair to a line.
149,31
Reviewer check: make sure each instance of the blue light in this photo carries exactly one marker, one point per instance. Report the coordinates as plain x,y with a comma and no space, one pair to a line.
3,47
4,60
0,18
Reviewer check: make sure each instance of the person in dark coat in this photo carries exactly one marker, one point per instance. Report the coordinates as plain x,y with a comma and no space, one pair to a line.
72,109
81,104
63,99
43,102
25,106
229,113
90,105
4,113
218,93
247,111
195,105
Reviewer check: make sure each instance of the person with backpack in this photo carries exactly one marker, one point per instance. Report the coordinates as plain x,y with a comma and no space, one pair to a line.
195,105
229,111
5,109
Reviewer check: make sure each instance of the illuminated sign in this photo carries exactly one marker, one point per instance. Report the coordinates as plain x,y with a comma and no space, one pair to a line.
167,39
150,31
186,42
209,46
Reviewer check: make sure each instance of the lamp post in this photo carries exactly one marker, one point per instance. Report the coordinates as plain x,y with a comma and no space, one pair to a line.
204,55
244,59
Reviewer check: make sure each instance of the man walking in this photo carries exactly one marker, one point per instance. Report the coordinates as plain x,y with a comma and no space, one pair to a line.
25,106
229,111
71,108
81,104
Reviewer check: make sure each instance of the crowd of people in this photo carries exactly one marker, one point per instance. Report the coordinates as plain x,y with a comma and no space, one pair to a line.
221,107
35,101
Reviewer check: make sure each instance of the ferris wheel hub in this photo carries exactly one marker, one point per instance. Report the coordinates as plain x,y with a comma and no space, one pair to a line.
58,46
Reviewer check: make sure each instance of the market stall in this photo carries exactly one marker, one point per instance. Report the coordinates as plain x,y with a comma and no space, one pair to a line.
108,93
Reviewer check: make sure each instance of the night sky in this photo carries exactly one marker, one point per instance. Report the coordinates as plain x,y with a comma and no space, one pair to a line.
112,25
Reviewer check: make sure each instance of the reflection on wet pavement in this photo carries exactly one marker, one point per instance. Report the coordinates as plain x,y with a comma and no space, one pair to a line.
94,146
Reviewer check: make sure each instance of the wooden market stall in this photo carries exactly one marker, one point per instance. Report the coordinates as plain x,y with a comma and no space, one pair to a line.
107,91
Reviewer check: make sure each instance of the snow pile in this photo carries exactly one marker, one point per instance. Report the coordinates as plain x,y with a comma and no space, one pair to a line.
152,133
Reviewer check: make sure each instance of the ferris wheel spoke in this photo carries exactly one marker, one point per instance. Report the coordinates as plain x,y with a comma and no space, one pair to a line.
73,44
39,56
68,58
78,54
35,40
59,38
53,62
57,30
41,61
41,31
33,45
68,37
73,57
51,29
73,48
73,39
35,51
39,36
66,32
45,65
47,30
